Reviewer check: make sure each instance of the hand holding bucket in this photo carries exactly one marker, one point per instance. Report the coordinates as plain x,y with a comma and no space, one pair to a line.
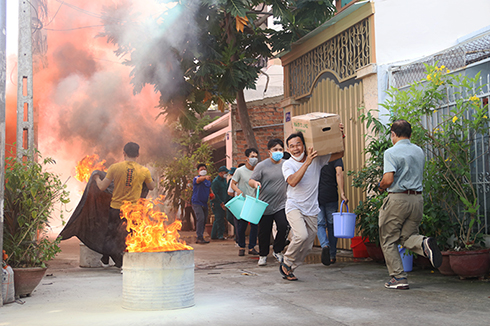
344,224
253,208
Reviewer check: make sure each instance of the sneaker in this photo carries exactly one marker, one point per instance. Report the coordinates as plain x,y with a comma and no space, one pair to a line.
432,252
202,241
241,252
397,283
262,261
253,252
326,256
279,256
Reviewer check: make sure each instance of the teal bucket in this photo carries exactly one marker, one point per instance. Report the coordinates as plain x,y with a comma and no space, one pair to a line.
235,205
253,209
344,224
407,259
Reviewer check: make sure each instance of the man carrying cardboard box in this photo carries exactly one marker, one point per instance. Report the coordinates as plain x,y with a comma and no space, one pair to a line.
302,173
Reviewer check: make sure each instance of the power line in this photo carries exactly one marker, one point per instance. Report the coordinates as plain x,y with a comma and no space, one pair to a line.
71,29
61,4
89,13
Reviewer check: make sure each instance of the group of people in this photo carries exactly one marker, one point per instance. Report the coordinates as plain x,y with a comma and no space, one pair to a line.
296,190
302,193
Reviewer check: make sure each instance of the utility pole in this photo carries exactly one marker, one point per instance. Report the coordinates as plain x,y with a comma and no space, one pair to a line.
25,107
3,89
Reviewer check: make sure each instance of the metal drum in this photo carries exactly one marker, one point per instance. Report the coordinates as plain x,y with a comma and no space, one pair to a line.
158,280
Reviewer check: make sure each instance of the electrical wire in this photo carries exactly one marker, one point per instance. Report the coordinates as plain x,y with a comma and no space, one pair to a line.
71,29
57,11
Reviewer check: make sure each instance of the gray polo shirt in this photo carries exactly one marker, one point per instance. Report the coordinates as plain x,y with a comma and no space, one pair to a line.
273,190
407,161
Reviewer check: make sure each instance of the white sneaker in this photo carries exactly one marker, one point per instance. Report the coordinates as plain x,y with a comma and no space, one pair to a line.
263,260
279,256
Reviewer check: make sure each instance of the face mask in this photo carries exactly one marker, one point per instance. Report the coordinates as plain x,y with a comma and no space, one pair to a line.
253,161
203,172
277,156
298,158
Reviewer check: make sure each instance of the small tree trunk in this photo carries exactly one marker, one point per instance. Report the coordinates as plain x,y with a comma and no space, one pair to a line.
245,120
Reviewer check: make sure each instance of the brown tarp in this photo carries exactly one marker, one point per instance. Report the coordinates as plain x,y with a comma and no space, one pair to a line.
89,221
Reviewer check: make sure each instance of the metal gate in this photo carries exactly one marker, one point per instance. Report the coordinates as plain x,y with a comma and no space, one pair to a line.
343,99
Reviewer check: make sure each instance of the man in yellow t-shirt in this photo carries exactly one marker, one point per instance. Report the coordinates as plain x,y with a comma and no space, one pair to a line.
128,177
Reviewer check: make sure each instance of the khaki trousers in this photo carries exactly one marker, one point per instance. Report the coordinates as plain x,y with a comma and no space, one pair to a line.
304,230
399,220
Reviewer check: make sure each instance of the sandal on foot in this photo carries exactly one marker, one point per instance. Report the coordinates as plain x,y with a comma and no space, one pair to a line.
290,277
286,272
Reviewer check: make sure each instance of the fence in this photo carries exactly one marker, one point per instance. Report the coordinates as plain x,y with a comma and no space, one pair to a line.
480,146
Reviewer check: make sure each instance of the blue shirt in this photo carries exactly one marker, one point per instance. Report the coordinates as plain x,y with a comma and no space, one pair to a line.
200,192
407,161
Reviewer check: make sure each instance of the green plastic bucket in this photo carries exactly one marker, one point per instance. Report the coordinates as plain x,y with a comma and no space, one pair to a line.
235,205
253,209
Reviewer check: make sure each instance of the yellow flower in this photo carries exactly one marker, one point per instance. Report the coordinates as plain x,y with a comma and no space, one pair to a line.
475,99
485,117
435,111
447,71
443,66
429,77
455,118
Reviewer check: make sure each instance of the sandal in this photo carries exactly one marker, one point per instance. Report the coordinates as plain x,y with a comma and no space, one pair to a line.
286,272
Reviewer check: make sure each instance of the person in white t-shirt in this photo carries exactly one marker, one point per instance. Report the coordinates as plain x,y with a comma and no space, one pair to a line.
302,173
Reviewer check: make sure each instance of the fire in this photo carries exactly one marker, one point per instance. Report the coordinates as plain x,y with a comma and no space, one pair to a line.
87,165
147,229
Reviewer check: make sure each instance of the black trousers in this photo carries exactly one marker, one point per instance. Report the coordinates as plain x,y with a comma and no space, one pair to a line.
265,231
115,239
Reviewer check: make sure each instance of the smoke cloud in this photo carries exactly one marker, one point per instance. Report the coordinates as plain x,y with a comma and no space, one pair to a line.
83,91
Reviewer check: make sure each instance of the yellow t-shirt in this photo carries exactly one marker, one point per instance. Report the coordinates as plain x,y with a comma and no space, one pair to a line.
128,179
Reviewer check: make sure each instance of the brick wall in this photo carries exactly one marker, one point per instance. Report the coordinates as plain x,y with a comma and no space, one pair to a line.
266,117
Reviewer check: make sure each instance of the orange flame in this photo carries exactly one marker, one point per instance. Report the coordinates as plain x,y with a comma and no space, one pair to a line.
87,165
147,229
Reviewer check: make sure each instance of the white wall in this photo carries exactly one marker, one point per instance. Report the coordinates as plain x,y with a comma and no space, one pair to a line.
411,29
275,86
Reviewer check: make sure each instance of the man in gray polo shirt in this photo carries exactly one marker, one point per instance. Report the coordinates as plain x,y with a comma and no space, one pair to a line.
402,210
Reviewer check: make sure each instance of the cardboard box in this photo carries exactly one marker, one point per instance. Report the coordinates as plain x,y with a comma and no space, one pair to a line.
321,131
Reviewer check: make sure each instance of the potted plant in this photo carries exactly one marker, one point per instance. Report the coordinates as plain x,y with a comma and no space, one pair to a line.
29,200
367,179
447,120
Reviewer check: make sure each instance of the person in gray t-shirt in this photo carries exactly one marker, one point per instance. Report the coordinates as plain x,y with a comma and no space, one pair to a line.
239,184
268,176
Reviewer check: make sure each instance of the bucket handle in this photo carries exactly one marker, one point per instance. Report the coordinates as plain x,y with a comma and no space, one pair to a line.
257,195
342,204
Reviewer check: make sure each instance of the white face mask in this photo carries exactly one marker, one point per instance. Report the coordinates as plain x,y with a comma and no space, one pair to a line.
253,161
203,172
298,158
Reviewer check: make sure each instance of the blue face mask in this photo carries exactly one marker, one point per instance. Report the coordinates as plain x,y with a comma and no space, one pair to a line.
277,156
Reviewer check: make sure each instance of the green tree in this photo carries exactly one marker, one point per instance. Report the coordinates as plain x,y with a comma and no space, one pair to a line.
217,54
179,173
